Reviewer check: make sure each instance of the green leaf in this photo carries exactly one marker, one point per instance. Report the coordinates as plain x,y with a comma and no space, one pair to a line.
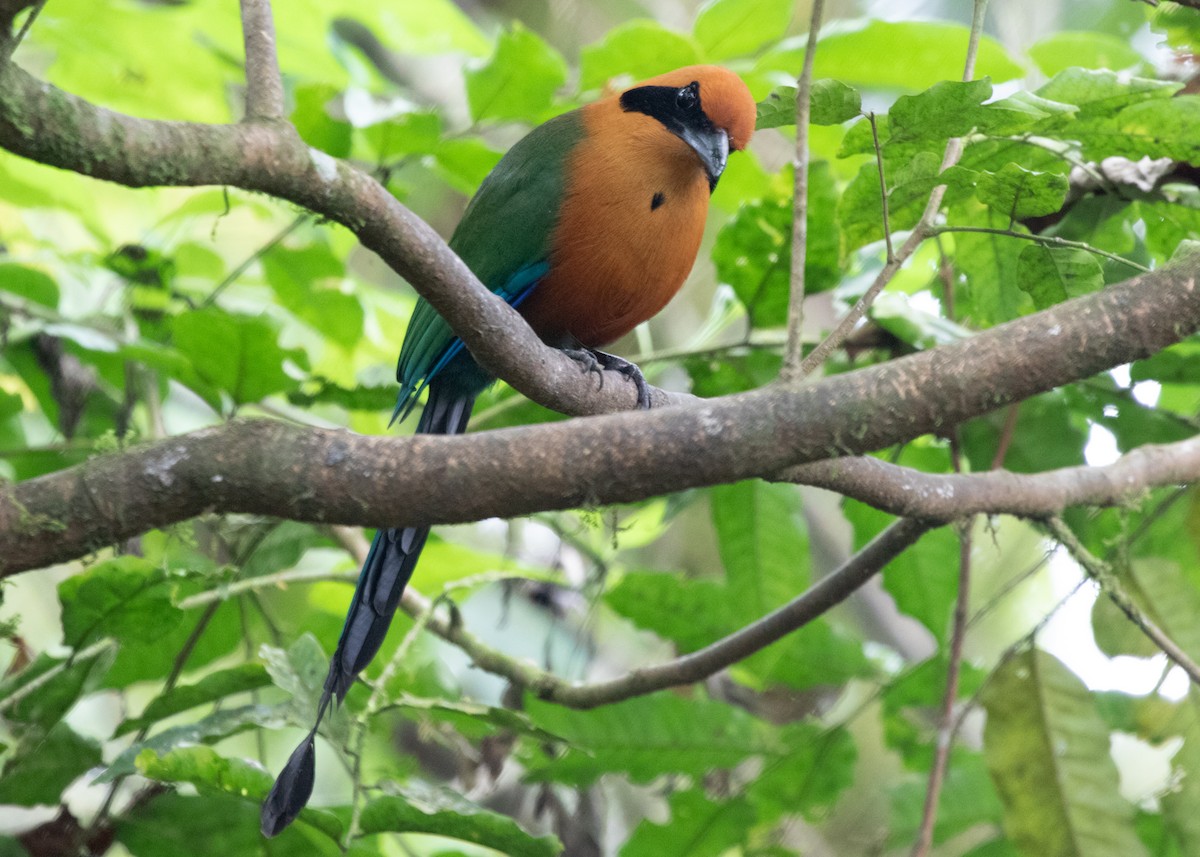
1050,275
733,28
53,698
301,671
1180,802
28,283
832,103
308,283
1020,193
172,823
808,776
690,613
210,772
753,251
947,109
465,163
239,354
212,688
420,808
207,730
647,737
518,81
699,827
639,48
863,53
126,597
313,122
39,772
1048,751
471,718
967,800
1060,51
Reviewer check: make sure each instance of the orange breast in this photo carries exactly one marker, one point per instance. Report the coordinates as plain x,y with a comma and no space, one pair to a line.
628,231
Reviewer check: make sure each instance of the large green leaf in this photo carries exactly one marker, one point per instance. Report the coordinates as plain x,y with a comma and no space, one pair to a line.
646,737
1048,751
1051,275
730,28
416,808
638,48
308,282
518,81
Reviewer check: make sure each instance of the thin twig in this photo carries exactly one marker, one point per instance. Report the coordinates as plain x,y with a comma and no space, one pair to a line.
258,253
1102,573
795,340
264,84
921,231
946,728
49,675
1047,240
9,48
883,192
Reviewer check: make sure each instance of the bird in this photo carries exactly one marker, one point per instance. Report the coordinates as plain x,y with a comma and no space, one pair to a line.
588,226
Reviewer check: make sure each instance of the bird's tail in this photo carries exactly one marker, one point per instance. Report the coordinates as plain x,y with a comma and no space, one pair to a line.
385,573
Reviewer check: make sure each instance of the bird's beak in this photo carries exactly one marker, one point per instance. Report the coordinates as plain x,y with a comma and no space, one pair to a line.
712,145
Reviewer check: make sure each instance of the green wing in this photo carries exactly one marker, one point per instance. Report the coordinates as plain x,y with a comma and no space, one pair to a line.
504,237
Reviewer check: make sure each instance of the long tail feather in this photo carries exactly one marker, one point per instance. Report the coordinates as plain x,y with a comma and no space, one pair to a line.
387,570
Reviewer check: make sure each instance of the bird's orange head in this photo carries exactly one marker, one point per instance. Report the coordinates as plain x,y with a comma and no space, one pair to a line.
706,106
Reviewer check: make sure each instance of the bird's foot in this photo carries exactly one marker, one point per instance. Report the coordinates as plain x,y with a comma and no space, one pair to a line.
593,360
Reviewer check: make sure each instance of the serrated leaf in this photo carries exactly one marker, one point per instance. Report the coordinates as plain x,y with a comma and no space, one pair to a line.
832,103
646,737
639,48
420,808
472,718
126,597
301,671
1050,275
690,613
698,827
212,688
518,81
39,771
1019,193
732,28
1048,752
945,110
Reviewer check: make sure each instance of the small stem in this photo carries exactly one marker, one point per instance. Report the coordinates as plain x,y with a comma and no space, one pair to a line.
9,48
883,193
946,728
921,231
264,85
1047,240
1102,573
795,340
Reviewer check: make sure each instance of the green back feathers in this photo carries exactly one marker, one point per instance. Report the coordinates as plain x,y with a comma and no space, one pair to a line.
504,237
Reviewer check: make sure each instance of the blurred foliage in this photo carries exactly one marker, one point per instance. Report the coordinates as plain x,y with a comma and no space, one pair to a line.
129,315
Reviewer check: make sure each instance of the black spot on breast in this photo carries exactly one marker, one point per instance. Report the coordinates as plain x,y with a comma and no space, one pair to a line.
659,199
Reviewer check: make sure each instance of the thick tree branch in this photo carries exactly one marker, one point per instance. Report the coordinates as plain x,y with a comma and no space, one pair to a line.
264,85
335,477
45,124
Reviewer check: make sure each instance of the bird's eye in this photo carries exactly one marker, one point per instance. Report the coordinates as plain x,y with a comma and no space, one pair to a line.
688,97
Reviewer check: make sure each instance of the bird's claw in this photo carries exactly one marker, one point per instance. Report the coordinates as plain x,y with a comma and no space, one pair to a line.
592,360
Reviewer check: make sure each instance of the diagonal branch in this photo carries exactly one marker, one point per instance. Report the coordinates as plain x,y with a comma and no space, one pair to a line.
41,122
